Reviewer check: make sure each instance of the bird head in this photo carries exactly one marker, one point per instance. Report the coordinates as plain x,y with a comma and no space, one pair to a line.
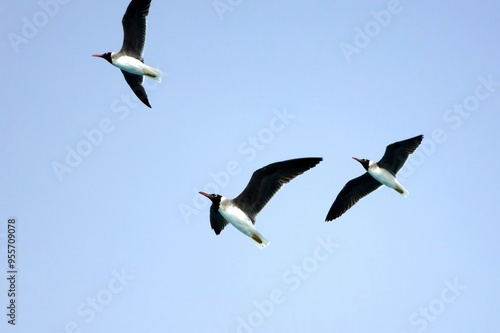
106,56
215,198
364,162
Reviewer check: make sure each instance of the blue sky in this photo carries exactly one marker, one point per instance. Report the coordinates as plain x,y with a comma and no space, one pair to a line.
121,241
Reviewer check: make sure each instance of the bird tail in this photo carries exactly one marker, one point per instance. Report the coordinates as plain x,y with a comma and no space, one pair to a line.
153,73
401,190
259,240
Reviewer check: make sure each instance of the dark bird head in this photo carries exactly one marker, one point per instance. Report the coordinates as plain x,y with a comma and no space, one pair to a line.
364,162
215,198
106,56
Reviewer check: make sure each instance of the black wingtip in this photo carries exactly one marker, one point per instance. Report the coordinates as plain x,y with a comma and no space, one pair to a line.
312,161
335,211
141,94
145,101
305,163
331,216
417,139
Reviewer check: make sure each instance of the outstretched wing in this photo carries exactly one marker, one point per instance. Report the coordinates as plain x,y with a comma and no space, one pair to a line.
266,181
134,28
397,153
353,191
135,82
217,221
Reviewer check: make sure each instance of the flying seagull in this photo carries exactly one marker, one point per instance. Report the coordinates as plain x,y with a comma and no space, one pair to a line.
130,58
265,182
381,173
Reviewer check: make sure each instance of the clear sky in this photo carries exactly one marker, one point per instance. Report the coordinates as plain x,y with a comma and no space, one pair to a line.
111,235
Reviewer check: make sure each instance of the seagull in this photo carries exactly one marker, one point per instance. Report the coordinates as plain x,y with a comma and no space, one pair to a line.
129,59
381,173
265,182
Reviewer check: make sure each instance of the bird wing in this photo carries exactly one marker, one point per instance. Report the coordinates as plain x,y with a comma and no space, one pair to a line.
266,181
134,28
217,221
397,153
135,82
353,191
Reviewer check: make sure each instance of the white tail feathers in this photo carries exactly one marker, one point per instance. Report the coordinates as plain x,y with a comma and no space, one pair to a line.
153,73
260,240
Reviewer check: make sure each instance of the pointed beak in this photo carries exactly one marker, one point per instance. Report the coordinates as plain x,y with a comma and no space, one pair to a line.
357,159
97,55
205,194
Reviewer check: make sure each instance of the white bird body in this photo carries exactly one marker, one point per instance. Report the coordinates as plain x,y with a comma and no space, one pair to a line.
241,221
134,66
385,177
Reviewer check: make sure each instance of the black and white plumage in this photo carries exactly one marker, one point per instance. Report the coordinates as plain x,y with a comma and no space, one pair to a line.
381,173
265,182
130,58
